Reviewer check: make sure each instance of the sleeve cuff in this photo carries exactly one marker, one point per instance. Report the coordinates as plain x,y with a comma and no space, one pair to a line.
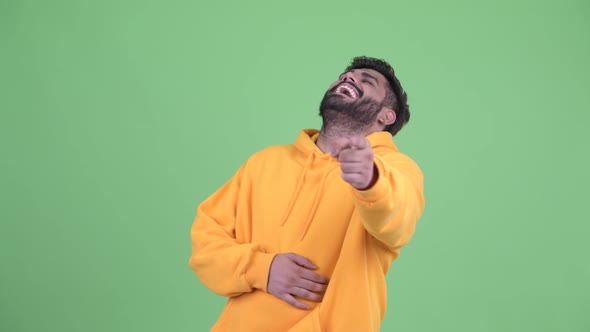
257,274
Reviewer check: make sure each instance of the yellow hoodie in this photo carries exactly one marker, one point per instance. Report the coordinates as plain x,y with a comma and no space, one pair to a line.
291,198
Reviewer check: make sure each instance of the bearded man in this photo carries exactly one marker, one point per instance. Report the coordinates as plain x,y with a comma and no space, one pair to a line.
302,236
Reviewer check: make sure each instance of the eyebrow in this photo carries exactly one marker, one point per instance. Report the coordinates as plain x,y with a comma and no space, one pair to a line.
365,74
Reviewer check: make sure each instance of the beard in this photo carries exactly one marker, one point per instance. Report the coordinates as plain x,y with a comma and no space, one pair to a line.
345,116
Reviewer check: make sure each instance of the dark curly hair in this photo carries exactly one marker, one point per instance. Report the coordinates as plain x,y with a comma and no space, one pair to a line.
396,97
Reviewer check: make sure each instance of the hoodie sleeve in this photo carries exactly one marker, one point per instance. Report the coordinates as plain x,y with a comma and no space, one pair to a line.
225,265
390,209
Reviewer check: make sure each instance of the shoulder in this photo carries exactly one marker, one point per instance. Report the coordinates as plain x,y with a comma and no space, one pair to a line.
273,151
271,154
400,161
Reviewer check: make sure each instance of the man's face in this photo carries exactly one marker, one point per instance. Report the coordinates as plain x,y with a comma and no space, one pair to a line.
354,101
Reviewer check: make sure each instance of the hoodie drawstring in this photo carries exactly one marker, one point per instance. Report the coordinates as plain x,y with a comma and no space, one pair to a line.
316,198
297,189
316,201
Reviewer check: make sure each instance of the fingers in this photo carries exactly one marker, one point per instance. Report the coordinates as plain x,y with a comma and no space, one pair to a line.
302,261
294,302
355,167
355,155
312,276
352,155
352,143
291,277
357,162
307,295
358,143
312,286
355,179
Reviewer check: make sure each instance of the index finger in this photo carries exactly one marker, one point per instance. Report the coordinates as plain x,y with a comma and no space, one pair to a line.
358,142
312,276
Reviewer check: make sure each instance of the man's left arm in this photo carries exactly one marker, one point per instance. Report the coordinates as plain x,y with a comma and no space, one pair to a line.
388,191
390,208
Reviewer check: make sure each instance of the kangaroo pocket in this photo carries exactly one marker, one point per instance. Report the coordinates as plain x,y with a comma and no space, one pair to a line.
310,323
259,311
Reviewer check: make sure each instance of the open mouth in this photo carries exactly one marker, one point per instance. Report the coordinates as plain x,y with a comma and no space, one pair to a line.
347,90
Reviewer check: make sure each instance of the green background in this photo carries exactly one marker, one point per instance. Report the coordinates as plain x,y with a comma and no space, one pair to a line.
119,117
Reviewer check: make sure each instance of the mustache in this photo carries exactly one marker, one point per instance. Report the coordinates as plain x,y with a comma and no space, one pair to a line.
358,90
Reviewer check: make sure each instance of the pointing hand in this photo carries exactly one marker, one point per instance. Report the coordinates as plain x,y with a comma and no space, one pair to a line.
357,163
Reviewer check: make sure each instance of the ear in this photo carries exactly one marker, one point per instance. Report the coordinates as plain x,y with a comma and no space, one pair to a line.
386,117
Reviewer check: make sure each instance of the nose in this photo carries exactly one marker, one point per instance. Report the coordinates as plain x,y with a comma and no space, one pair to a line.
348,77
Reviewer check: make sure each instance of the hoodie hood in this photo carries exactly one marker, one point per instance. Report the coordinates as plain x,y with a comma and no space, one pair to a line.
306,142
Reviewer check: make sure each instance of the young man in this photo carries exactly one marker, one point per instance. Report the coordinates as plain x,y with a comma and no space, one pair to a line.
301,238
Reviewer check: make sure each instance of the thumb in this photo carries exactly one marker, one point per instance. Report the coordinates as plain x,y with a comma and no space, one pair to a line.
334,153
302,261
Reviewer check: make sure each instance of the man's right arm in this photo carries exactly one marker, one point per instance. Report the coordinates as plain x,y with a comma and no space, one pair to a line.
224,265
230,268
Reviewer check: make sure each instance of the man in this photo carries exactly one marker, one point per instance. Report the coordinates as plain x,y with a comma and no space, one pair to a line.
301,238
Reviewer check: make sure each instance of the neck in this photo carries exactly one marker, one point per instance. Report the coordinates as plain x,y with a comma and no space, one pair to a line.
331,139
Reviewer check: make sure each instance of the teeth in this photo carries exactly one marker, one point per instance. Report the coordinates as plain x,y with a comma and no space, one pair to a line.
352,93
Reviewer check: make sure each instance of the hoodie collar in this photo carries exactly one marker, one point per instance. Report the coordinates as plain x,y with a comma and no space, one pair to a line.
307,138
